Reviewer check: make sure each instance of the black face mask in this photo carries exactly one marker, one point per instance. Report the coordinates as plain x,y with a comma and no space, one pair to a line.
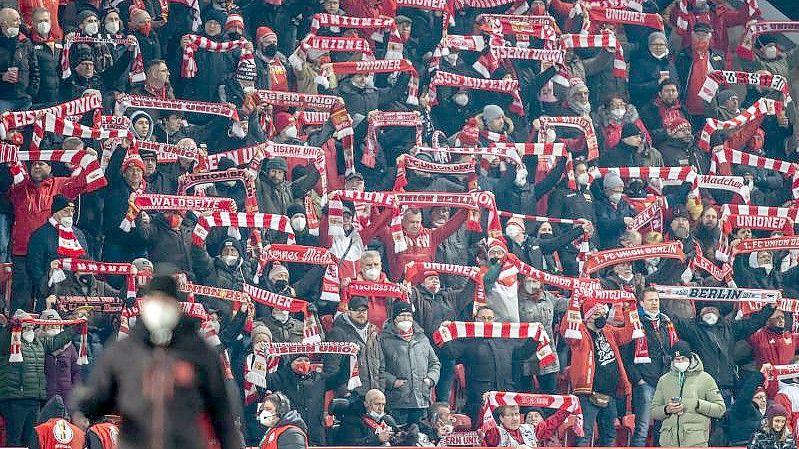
545,235
777,329
85,279
234,36
270,50
281,285
600,322
495,261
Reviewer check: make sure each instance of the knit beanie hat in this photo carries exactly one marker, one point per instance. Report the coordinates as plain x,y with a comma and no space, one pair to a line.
612,181
629,130
400,307
60,202
681,349
492,112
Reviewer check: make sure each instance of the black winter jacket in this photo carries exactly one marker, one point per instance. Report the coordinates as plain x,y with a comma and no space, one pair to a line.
116,386
18,52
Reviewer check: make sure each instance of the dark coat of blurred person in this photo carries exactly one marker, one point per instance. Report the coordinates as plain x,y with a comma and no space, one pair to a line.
164,346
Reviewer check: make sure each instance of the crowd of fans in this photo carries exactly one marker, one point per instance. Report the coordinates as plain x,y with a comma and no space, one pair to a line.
538,222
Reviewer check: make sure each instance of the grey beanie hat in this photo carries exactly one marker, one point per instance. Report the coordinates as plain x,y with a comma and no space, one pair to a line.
657,35
492,112
611,181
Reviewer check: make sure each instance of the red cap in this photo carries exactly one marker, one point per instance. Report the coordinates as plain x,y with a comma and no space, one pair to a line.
429,273
234,21
283,120
262,32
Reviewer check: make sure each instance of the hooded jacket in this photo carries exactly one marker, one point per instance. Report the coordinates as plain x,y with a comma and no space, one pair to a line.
294,437
412,361
702,400
115,386
52,433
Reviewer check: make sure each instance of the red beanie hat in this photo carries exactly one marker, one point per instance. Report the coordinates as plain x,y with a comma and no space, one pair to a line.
234,21
497,243
132,159
262,32
283,120
470,133
590,306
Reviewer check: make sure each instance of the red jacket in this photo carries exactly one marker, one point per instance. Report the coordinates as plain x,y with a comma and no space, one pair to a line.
771,347
421,248
32,204
581,372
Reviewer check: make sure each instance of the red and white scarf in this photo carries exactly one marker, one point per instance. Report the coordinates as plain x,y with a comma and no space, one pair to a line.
414,269
718,294
622,16
155,201
101,304
380,25
721,160
335,212
781,372
583,285
68,245
257,220
642,345
15,352
371,289
734,216
604,40
306,152
199,107
727,77
407,162
308,255
667,175
603,259
761,108
494,399
461,439
136,73
336,44
188,68
326,347
652,212
474,201
169,153
339,116
744,49
584,124
617,4
721,274
88,165
380,119
190,309
533,149
767,244
79,106
499,150
382,66
474,329
63,127
733,184
194,179
310,329
504,86
90,266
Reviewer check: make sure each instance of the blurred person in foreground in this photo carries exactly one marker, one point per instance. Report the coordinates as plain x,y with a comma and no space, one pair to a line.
162,380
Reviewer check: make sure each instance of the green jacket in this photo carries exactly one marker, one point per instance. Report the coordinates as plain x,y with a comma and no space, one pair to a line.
702,401
26,380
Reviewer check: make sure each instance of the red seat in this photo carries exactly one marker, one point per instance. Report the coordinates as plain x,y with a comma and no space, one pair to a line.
327,322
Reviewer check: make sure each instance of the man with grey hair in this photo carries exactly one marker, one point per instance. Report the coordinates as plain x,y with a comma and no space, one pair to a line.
20,80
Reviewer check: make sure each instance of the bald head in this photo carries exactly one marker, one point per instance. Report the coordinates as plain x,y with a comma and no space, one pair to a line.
9,22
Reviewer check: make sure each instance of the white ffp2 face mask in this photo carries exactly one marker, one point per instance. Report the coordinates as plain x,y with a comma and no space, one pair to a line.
405,326
266,419
372,274
681,366
158,316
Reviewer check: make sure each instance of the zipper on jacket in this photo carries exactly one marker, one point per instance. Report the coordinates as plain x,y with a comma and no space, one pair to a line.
682,385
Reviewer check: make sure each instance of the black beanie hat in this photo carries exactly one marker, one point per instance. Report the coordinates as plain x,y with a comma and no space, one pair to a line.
630,129
60,202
